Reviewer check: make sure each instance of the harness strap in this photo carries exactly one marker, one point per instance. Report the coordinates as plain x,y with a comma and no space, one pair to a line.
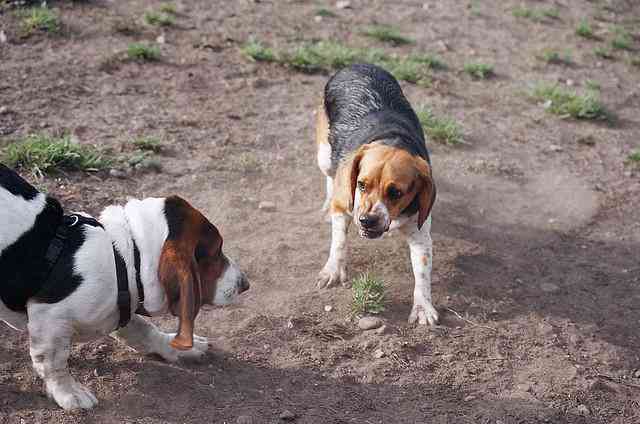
136,262
124,297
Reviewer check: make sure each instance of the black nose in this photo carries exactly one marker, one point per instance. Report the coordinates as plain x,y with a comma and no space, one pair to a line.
368,220
243,285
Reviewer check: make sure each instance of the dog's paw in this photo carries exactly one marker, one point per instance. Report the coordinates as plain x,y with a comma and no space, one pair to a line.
72,396
423,312
196,353
331,275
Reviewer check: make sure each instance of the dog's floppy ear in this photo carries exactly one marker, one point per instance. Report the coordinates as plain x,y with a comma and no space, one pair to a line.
426,191
178,275
344,186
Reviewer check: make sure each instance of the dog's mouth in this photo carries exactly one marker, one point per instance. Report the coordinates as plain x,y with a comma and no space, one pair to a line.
370,234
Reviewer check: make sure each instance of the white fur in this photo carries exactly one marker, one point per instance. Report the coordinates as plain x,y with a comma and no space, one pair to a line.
91,310
335,270
17,215
227,286
324,158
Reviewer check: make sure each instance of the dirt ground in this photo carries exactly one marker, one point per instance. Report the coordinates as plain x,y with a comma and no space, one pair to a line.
536,235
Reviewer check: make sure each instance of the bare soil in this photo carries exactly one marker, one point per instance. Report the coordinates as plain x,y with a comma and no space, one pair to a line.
537,236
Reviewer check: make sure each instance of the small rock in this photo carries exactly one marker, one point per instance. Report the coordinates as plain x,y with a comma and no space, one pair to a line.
3,110
599,64
570,82
161,39
3,37
244,419
547,104
549,287
287,415
556,148
636,374
267,206
442,47
117,173
369,323
587,140
583,410
469,398
343,4
328,308
378,353
317,18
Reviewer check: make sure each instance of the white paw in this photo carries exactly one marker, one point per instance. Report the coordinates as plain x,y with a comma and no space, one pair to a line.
196,353
423,312
72,396
331,275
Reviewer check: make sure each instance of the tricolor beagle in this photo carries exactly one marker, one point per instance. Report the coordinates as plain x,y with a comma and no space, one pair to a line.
60,277
372,150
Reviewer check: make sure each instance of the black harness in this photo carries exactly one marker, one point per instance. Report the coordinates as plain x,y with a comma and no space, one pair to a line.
56,246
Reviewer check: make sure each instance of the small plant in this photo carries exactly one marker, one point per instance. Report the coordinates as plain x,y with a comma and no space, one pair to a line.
325,13
592,85
635,61
168,8
551,13
159,19
387,34
151,144
604,53
143,52
368,295
440,130
555,57
479,70
569,104
585,30
634,158
431,61
622,40
39,18
254,50
42,154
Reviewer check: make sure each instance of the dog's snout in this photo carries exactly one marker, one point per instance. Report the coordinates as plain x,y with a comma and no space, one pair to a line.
243,284
368,220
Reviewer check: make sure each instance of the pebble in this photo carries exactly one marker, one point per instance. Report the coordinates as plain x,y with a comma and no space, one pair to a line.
556,148
469,398
343,4
244,419
369,323
378,353
549,287
267,206
317,18
287,415
583,410
117,173
570,82
161,39
3,37
636,374
3,110
328,308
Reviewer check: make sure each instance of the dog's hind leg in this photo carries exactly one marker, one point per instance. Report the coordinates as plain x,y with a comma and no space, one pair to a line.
50,345
146,338
324,153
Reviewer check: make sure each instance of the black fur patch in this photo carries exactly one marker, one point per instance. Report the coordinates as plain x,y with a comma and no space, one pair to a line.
175,211
15,184
364,103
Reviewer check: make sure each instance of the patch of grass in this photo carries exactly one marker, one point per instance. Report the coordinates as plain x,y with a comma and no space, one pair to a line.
254,50
159,19
42,154
327,55
430,60
555,57
622,39
585,30
567,103
536,15
368,295
551,13
325,13
479,70
592,85
634,158
604,53
168,8
143,52
151,144
440,130
387,34
39,18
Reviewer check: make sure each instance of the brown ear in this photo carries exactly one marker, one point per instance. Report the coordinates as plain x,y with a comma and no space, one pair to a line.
344,186
427,193
178,274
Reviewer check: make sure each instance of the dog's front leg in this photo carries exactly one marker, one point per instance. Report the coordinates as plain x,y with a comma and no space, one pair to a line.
421,249
335,270
50,345
146,338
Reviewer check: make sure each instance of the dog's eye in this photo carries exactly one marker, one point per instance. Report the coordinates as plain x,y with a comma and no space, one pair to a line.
394,193
362,186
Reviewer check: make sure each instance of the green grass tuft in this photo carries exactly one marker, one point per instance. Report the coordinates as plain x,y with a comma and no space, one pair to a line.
387,34
622,40
144,52
585,30
254,50
440,130
554,57
325,13
368,295
604,53
42,154
570,104
592,85
39,18
479,70
551,13
634,157
168,8
151,144
159,19
635,61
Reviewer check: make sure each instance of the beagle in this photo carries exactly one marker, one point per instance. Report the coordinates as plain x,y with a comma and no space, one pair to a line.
63,277
372,150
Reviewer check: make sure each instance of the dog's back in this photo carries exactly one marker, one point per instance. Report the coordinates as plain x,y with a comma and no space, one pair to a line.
364,103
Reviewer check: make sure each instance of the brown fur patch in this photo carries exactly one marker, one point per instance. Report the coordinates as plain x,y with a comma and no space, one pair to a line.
322,125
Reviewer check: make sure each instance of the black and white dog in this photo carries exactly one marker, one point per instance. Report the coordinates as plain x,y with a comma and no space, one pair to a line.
64,277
